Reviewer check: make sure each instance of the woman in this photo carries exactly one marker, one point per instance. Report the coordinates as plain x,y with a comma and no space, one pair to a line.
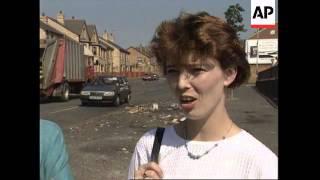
202,57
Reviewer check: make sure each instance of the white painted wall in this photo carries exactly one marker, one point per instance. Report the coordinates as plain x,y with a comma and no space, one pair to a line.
62,29
265,46
43,34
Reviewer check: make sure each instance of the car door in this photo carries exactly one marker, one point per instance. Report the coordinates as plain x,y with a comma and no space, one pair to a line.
122,89
128,88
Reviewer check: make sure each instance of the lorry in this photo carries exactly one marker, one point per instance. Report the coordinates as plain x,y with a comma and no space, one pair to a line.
63,68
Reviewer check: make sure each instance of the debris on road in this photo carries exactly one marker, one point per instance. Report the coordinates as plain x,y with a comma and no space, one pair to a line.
125,150
175,121
175,106
164,116
155,107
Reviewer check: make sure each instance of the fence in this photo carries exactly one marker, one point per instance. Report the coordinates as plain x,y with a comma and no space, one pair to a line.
127,74
267,83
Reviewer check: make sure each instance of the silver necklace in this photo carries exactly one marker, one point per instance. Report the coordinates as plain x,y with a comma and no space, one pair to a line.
198,156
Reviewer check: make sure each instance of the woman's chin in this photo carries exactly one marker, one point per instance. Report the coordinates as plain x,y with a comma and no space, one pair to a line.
192,115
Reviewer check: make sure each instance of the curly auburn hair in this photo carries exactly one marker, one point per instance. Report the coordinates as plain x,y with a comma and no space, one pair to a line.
201,35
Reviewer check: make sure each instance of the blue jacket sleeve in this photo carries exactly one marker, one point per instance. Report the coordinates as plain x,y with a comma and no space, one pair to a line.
53,153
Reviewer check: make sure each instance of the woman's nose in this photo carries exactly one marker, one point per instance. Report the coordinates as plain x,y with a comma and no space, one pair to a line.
183,80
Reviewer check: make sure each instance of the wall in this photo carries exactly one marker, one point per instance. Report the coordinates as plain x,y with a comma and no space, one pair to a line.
253,75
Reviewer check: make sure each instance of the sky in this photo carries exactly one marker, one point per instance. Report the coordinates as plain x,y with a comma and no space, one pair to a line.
133,22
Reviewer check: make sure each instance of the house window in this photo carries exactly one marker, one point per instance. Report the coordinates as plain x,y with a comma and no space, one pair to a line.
253,51
94,51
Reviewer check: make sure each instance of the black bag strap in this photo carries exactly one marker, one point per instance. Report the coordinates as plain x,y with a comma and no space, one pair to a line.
157,144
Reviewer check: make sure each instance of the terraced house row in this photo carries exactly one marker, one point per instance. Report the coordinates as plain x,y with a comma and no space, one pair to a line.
102,55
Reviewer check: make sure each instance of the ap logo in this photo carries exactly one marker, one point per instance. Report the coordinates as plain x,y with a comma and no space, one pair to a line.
263,13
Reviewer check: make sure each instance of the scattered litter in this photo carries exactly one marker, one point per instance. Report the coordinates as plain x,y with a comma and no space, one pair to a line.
183,119
174,106
74,129
155,107
165,117
132,111
175,121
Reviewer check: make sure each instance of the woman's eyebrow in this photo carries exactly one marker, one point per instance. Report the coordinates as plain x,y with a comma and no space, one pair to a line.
171,66
201,65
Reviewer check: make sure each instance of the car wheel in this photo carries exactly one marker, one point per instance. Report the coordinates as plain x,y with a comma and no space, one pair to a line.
128,98
65,92
83,103
116,102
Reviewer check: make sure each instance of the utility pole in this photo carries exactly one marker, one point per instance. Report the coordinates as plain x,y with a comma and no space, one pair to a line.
257,62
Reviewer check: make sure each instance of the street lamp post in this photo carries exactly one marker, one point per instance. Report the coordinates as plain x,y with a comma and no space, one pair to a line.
257,62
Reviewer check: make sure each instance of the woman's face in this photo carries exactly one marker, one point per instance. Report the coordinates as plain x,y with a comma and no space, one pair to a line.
199,87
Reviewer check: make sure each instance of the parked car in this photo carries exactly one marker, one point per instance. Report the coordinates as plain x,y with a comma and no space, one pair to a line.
146,77
155,76
150,77
106,89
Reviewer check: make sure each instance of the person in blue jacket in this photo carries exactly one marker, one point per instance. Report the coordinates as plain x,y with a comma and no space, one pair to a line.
54,158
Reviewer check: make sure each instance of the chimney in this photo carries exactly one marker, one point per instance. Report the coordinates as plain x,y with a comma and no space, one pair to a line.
60,17
43,18
105,35
111,37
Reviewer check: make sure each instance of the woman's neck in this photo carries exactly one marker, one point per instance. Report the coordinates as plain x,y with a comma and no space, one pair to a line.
216,126
213,128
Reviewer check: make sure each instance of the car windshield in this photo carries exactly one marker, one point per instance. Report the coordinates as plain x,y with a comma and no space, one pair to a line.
104,80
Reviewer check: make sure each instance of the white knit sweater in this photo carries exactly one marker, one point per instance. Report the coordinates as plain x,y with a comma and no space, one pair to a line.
238,157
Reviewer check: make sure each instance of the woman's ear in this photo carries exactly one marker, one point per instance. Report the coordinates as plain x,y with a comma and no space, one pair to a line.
230,75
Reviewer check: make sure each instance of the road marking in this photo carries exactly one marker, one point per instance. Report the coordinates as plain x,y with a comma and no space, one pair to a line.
74,107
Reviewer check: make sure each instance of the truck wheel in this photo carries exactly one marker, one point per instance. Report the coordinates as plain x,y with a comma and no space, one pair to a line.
65,92
116,102
128,98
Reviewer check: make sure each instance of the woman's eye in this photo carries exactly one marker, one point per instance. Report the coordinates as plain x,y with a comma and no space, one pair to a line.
198,70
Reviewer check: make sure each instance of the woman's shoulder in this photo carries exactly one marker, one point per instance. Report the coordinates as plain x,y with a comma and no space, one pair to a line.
256,147
263,159
49,128
51,137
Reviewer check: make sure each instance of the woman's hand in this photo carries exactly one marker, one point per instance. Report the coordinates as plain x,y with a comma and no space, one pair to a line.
148,171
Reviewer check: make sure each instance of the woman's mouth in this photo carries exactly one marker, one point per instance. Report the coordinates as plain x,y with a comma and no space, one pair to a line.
187,102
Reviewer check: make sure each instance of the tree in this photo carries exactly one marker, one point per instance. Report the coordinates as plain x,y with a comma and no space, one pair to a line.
234,18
